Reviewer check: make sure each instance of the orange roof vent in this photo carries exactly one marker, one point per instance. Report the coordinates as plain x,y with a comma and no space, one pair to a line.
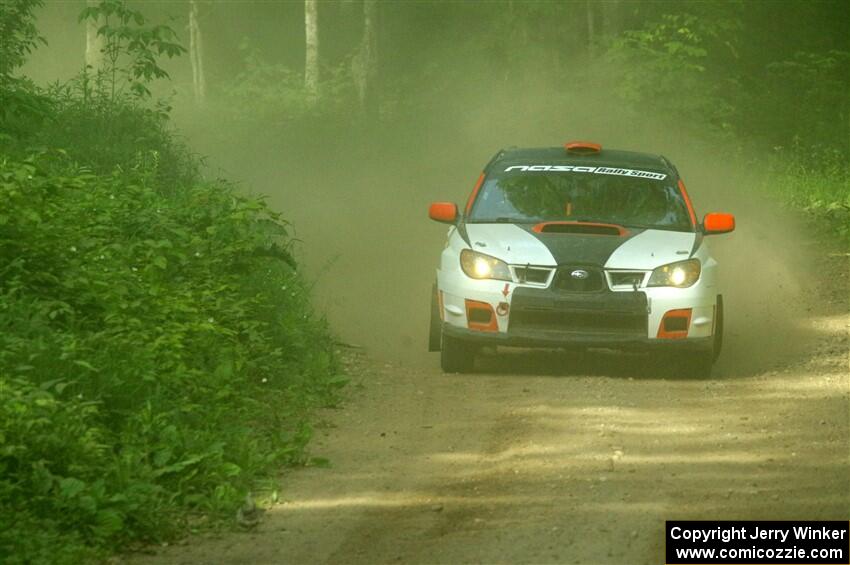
582,147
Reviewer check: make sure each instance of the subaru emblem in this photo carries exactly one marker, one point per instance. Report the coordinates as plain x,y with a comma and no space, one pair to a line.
579,274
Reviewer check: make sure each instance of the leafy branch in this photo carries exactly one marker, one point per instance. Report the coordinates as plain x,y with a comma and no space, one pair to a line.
130,40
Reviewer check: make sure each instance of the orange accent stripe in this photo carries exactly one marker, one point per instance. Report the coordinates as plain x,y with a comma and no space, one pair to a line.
688,203
683,313
474,194
492,326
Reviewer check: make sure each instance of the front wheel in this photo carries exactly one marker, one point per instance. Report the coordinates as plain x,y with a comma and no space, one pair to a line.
696,365
456,355
682,365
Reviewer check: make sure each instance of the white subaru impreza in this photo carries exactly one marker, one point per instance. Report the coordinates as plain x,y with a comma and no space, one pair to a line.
576,246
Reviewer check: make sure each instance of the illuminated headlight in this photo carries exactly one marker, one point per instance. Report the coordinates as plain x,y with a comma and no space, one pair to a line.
681,274
479,266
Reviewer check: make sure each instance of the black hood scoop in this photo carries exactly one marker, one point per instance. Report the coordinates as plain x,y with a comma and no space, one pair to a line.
581,243
583,228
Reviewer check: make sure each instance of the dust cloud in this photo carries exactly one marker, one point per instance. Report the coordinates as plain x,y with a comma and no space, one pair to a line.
357,198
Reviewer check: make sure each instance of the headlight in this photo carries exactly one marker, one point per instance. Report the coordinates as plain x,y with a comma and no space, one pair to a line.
479,266
681,274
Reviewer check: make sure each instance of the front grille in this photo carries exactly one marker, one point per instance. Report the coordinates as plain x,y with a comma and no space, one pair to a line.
550,311
533,275
569,279
626,279
586,322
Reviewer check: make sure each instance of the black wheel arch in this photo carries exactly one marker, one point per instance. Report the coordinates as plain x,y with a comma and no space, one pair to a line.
435,326
718,326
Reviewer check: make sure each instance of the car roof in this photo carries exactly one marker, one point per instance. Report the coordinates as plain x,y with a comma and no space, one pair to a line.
605,157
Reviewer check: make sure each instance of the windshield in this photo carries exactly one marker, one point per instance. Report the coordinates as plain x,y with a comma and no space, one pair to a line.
519,195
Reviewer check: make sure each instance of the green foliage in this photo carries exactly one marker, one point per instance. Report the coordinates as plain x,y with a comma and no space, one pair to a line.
818,187
666,67
686,66
157,352
820,83
265,91
94,129
104,119
46,445
18,34
132,47
21,107
125,133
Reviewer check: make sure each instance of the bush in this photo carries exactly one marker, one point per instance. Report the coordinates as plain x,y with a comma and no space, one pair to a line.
670,67
265,92
46,445
157,353
102,118
819,186
102,134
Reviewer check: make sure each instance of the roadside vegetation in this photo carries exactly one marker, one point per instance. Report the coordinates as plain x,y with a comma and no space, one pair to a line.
159,358
806,149
820,188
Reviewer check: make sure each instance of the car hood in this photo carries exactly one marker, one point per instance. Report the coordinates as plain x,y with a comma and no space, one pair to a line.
638,249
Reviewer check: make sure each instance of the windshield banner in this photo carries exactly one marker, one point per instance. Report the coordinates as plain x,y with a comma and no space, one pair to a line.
583,169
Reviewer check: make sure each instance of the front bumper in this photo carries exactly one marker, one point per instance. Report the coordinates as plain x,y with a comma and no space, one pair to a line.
574,339
545,317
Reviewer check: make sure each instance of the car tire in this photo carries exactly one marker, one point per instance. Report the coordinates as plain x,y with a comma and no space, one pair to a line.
456,355
696,365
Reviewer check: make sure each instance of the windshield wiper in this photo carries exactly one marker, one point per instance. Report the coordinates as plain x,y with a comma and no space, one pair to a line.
654,227
582,219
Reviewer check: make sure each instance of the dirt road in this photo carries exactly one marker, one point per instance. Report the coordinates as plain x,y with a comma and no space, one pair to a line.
579,460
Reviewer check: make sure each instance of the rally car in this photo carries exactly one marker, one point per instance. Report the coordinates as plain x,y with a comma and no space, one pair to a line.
578,247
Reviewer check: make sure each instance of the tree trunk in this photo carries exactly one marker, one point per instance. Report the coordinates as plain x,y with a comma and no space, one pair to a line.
591,25
365,62
311,35
196,54
94,42
611,17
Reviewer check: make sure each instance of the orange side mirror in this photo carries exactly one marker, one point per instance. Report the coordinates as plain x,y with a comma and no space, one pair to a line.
445,212
717,222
